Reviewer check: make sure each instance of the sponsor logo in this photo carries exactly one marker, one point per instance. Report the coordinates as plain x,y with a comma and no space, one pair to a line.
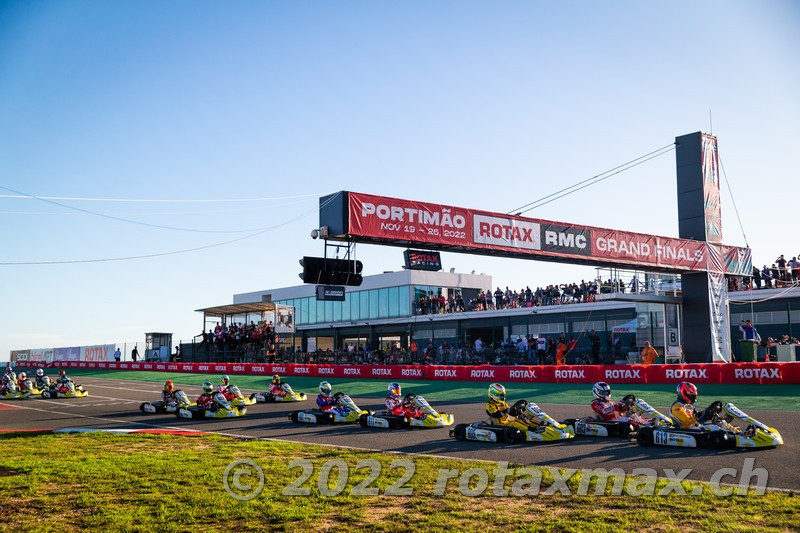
172,367
481,374
524,374
135,365
220,368
443,218
203,368
686,373
757,373
161,367
444,373
326,371
238,368
570,374
623,374
279,369
411,372
352,371
259,369
101,365
566,239
506,232
302,370
381,371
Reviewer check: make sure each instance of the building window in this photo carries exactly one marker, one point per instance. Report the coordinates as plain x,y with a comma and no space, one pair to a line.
394,301
363,298
383,303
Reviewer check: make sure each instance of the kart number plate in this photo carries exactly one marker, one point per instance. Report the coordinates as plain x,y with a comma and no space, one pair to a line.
580,427
661,437
149,408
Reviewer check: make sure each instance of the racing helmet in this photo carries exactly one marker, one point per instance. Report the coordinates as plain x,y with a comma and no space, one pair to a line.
168,386
208,388
687,392
23,375
225,380
276,379
497,392
394,389
40,373
62,372
601,390
325,388
13,376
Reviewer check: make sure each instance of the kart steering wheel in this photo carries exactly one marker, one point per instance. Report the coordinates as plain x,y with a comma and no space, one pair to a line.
629,399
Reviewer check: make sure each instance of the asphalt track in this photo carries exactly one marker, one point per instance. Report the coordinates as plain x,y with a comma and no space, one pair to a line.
114,404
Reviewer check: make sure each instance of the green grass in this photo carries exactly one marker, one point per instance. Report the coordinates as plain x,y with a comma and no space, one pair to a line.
779,397
104,482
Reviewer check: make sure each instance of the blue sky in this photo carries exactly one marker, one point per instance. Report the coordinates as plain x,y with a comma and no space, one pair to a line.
466,103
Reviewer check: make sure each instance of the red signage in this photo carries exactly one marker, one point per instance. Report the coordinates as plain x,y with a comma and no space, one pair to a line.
404,222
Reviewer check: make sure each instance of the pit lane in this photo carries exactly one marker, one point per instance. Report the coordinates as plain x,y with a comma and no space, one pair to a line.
114,404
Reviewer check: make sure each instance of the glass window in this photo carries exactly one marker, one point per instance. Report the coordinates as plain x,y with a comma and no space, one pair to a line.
363,297
320,310
394,303
383,303
354,298
311,305
373,303
329,311
337,311
346,306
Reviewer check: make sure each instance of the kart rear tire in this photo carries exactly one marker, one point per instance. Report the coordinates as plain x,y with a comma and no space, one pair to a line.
141,407
513,436
362,421
460,432
645,437
718,440
398,423
293,416
46,394
625,432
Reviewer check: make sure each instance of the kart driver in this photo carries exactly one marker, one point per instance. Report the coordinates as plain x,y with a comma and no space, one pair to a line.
22,381
63,384
206,399
498,409
40,381
5,387
224,385
607,409
683,410
276,387
325,401
394,404
410,407
168,394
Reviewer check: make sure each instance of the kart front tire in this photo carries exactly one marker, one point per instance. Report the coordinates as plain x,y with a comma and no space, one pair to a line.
46,394
645,437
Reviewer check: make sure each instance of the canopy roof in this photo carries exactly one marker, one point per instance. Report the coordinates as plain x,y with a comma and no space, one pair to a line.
238,309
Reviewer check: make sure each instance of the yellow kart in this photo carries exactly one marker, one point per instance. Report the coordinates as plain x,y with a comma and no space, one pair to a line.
428,417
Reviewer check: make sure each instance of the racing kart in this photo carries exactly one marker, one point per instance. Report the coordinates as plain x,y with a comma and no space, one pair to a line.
349,412
538,427
235,396
73,391
161,407
222,409
14,393
715,432
429,418
624,427
288,395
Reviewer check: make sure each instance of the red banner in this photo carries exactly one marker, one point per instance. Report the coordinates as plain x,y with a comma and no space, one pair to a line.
405,222
746,373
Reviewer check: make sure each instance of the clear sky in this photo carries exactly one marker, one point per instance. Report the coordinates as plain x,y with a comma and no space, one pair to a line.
475,104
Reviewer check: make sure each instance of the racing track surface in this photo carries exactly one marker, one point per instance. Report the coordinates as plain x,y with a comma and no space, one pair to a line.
115,404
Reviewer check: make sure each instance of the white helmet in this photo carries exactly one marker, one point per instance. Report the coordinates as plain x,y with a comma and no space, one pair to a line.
602,390
23,375
40,372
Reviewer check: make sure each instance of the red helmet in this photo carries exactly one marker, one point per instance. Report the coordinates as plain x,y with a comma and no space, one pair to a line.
168,386
687,392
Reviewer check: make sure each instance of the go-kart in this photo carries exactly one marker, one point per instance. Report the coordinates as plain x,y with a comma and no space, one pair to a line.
222,409
73,391
14,393
624,427
235,396
428,418
161,407
715,432
346,411
288,395
528,424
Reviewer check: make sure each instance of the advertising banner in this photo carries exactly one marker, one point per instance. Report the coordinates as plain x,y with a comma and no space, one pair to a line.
696,373
407,222
67,354
711,193
103,352
718,308
284,319
20,356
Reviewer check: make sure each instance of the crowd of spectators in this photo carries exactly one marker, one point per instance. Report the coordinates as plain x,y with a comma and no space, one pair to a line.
240,337
781,274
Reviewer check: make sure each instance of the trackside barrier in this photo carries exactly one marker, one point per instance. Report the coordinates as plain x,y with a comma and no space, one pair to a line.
748,373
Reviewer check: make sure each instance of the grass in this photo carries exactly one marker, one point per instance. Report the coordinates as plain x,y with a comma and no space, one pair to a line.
779,397
106,482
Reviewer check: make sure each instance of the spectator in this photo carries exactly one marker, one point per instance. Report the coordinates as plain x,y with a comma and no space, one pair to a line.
541,349
478,345
561,353
749,331
649,354
596,343
117,355
135,354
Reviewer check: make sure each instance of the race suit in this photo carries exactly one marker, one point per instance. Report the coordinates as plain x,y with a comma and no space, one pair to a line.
277,390
206,401
22,385
608,410
410,408
685,414
169,397
329,403
394,404
498,413
41,382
